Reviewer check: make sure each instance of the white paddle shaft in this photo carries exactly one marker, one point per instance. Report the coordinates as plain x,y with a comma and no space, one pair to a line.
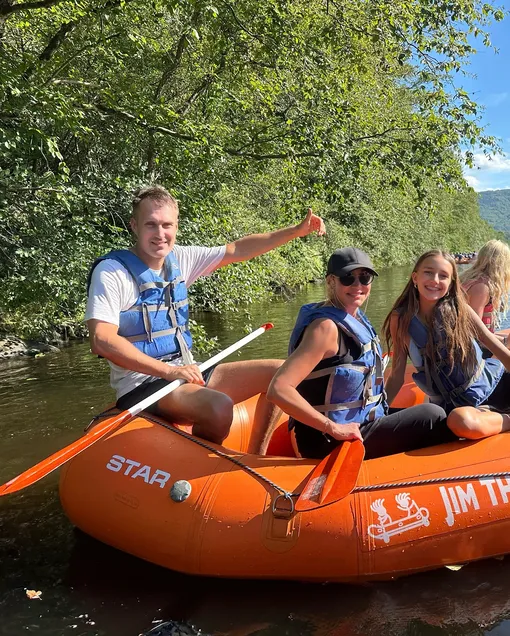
152,399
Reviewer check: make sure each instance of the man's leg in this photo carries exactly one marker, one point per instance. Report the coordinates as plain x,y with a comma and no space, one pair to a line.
208,410
242,380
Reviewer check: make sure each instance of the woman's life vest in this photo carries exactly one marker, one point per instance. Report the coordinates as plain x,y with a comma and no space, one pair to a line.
157,324
450,388
344,391
488,310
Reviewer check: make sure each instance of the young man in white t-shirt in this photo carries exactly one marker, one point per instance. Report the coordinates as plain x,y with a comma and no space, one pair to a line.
135,375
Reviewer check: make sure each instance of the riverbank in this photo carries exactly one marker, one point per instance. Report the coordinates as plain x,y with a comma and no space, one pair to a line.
12,347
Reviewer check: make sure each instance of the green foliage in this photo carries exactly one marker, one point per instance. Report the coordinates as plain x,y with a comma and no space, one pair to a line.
495,209
249,112
202,343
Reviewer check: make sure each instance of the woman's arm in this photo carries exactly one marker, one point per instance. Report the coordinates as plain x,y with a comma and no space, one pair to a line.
320,340
490,341
398,363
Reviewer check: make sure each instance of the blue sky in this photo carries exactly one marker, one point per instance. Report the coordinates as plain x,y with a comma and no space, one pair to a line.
491,88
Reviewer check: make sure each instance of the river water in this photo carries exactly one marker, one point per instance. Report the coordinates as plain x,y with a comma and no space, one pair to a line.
89,589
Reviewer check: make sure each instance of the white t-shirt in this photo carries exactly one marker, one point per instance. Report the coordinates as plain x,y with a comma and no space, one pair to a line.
113,289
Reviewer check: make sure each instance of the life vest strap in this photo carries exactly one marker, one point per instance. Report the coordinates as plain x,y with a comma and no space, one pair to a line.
161,284
346,406
176,305
449,396
158,284
331,370
147,324
466,385
157,334
186,353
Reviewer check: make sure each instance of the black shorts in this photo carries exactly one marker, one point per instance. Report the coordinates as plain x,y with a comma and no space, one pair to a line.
400,431
147,388
499,399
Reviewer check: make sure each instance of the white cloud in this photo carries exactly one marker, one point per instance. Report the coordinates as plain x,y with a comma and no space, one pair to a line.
497,163
488,173
473,182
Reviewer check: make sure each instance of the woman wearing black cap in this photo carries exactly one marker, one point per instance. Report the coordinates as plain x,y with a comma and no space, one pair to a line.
332,384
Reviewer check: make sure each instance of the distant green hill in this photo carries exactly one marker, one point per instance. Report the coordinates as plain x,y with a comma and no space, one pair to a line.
495,208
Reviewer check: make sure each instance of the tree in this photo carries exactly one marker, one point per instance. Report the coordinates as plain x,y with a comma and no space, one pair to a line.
247,111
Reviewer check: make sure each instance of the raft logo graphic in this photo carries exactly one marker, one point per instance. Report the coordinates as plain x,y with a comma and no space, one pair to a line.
386,528
145,472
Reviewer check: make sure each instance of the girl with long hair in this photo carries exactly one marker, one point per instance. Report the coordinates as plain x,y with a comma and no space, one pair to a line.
432,324
332,383
487,283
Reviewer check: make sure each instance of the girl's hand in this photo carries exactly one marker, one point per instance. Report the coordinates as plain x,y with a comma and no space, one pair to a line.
342,432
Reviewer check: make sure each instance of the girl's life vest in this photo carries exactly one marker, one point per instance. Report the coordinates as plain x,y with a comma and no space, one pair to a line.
157,324
345,389
450,388
488,310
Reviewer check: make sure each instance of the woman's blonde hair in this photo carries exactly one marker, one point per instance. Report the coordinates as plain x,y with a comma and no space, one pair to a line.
450,325
492,267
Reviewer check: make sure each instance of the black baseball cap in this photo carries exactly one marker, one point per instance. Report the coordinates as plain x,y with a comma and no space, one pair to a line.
346,259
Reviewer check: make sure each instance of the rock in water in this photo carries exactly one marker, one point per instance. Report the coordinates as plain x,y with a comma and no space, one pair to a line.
174,628
11,346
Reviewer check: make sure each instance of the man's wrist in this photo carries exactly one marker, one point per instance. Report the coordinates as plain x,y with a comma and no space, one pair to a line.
298,230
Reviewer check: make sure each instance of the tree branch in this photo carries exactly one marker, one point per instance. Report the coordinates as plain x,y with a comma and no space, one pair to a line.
383,133
240,24
201,88
6,8
75,55
283,155
177,56
122,114
59,37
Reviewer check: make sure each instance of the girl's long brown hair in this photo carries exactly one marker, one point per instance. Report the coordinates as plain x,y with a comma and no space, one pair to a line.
450,326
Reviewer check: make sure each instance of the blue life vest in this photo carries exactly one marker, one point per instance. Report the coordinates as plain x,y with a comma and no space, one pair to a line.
157,324
455,388
354,390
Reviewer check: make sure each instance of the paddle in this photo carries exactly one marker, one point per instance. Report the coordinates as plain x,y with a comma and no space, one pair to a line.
336,475
333,478
56,460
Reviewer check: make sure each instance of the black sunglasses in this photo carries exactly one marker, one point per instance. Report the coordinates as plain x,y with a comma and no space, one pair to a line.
365,278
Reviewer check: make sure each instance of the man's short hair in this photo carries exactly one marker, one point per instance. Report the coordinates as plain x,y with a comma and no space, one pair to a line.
154,193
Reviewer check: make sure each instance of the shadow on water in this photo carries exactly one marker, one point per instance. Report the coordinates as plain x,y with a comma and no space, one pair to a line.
89,589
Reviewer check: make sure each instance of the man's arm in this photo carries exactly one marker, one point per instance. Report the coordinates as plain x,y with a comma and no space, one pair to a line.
256,244
106,342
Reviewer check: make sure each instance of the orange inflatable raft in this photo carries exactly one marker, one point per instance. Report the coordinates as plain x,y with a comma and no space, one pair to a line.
162,496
